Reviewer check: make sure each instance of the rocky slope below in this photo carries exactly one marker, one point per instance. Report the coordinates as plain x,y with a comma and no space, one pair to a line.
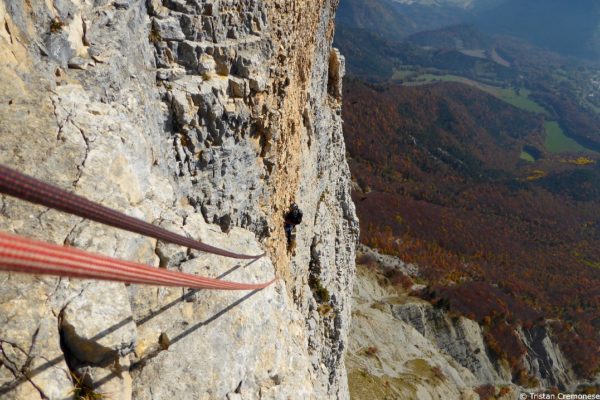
206,117
390,358
403,347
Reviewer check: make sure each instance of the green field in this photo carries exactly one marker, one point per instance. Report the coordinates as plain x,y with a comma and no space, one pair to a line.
401,74
475,53
556,140
526,156
428,78
509,95
520,100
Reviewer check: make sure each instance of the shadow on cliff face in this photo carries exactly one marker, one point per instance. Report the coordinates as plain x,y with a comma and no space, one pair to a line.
69,353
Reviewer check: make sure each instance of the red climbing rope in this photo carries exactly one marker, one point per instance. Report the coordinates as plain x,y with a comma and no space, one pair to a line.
27,188
18,254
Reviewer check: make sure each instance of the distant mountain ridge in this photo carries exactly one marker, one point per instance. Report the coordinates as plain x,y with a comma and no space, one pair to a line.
466,4
568,28
379,17
454,37
394,20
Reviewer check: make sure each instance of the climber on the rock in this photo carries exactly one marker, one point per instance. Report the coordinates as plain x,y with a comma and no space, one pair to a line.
292,218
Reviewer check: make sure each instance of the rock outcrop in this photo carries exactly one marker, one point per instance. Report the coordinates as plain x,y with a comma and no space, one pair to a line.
392,330
546,361
206,117
391,358
463,339
460,337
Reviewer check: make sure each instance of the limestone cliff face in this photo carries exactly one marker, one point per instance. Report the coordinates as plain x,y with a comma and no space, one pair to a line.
206,117
391,358
463,339
426,352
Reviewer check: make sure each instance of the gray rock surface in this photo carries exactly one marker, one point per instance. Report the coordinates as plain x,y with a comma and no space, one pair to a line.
393,354
459,338
205,117
463,339
545,359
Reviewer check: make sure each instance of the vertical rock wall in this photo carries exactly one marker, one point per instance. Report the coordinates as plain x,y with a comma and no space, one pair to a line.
207,118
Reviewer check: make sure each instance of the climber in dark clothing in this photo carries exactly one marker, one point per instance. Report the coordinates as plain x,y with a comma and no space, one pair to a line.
292,218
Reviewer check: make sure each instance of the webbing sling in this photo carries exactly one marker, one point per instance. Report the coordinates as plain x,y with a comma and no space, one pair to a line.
16,184
22,255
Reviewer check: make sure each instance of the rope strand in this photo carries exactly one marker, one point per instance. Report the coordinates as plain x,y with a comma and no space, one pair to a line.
18,185
18,254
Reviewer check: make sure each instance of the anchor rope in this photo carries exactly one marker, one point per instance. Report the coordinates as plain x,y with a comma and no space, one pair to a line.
19,254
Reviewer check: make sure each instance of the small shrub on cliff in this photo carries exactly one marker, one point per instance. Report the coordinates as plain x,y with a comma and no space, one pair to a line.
526,380
371,351
397,278
367,260
486,392
324,309
584,389
319,291
438,373
83,391
56,25
322,294
154,35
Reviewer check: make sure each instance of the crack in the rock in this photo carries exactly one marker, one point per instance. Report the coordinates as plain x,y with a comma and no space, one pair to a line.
16,346
41,215
59,136
51,295
3,207
33,340
26,371
59,124
39,389
7,362
81,166
73,298
163,261
7,28
23,372
68,236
